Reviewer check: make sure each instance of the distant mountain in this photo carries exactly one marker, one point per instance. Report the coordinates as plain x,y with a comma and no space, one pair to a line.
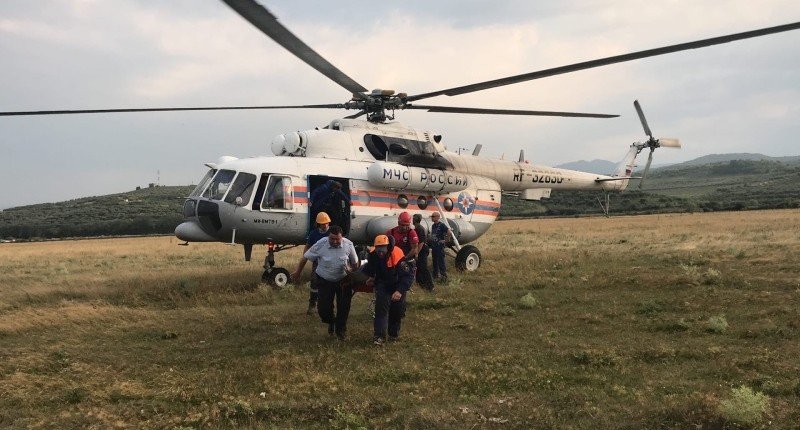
604,167
724,158
760,182
601,167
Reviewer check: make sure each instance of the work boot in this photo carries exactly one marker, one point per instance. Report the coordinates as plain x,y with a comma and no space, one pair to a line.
377,341
342,336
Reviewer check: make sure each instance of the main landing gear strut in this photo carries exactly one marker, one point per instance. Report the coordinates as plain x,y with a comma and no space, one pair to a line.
468,257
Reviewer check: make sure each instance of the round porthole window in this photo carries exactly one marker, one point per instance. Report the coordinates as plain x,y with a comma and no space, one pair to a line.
402,201
448,204
422,202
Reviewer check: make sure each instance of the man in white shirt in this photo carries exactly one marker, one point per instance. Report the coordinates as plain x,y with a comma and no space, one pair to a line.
335,257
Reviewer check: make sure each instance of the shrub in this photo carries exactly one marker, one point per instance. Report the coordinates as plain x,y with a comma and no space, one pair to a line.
528,301
76,395
712,277
717,324
649,307
235,411
345,420
744,406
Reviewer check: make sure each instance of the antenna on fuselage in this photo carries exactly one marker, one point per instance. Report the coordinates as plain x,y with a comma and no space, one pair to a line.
477,149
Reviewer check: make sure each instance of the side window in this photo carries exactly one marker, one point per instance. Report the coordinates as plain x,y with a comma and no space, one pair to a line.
242,187
278,195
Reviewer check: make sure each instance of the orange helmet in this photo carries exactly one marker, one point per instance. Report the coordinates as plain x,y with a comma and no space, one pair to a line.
323,218
381,239
404,218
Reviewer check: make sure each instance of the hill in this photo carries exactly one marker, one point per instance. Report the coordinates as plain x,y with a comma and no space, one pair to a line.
730,185
145,211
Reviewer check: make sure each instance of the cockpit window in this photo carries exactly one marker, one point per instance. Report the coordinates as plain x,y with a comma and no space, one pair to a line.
203,182
219,186
278,194
242,187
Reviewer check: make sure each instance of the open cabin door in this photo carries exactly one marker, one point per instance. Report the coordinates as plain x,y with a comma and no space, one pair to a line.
322,197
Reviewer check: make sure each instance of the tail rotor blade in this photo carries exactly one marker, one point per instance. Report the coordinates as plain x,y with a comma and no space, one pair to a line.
669,143
646,168
642,119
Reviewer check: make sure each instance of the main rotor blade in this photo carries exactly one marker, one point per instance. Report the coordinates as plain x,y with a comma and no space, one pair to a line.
260,17
606,61
642,119
67,112
452,109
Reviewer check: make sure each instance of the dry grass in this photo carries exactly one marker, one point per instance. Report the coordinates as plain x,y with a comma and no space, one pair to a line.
613,333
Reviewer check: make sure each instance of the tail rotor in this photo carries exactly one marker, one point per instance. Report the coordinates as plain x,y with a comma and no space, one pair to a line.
651,142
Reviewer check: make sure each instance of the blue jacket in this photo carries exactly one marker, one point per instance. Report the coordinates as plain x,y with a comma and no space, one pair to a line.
439,232
391,272
323,196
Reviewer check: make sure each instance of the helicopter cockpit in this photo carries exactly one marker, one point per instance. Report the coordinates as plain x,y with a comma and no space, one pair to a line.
274,191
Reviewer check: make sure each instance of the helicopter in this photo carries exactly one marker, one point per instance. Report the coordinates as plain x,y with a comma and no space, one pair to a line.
382,165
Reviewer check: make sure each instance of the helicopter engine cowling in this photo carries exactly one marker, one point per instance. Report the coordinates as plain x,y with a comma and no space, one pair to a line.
396,176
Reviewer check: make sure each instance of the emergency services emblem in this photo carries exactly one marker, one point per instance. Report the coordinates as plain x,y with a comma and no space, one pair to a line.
465,203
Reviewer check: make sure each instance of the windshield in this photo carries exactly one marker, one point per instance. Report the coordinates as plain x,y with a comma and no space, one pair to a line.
220,184
242,187
203,182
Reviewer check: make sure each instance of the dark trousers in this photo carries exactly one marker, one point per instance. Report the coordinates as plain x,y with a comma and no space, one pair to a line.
439,267
388,314
343,295
423,273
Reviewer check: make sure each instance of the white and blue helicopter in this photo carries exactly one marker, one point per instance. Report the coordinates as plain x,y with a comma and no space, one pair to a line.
383,166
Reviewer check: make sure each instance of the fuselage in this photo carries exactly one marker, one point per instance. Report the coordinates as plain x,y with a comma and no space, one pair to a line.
385,169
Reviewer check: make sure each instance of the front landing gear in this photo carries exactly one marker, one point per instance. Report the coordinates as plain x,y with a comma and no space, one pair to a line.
468,259
276,276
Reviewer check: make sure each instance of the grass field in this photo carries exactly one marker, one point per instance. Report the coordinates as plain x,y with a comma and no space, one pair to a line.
627,322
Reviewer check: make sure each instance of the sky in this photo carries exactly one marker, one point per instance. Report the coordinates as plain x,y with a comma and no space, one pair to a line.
93,54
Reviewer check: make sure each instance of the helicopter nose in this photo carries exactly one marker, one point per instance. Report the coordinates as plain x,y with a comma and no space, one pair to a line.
190,231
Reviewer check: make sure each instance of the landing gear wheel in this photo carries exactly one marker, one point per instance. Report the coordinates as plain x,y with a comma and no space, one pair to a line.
277,277
468,259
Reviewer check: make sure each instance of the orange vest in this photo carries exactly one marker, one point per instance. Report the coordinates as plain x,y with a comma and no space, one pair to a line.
396,256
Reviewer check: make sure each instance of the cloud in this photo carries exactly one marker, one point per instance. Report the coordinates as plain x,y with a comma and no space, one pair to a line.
84,54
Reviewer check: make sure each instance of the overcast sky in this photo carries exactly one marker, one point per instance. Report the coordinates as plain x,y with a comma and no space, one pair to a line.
90,54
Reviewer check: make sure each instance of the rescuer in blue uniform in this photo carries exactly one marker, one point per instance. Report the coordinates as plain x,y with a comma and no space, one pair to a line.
330,198
438,240
391,277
